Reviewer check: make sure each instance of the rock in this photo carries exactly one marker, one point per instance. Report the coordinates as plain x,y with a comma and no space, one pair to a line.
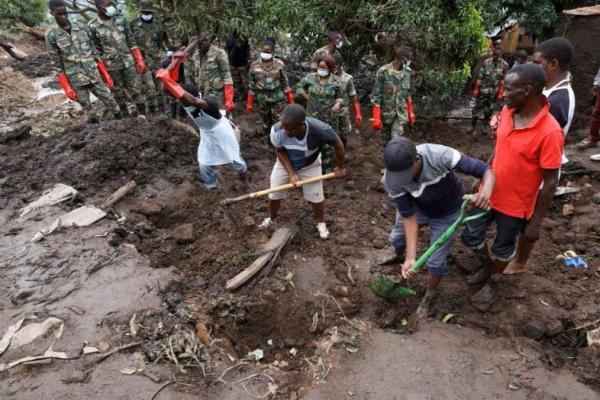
568,209
596,198
76,377
554,327
533,329
143,229
293,396
340,291
184,234
249,221
563,238
378,243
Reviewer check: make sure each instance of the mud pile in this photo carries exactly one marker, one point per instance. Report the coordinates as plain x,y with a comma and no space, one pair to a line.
97,157
34,66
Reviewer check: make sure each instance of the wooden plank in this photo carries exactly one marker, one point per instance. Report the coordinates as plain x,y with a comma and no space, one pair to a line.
119,194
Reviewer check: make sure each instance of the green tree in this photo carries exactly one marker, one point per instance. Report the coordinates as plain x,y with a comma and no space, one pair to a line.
28,12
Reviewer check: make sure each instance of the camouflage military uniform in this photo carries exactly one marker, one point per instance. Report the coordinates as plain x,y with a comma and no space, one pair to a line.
240,79
114,41
323,51
152,40
321,98
73,53
349,91
214,74
268,81
491,76
390,91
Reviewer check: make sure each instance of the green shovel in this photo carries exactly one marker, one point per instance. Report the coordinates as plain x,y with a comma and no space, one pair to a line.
385,287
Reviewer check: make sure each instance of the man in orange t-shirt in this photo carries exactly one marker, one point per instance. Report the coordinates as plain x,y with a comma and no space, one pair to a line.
528,153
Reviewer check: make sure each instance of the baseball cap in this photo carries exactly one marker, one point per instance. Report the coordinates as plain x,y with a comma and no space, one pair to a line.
399,155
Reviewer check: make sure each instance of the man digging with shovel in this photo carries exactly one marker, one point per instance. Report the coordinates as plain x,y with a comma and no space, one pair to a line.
422,182
298,140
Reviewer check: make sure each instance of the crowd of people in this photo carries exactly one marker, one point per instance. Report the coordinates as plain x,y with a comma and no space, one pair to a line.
528,109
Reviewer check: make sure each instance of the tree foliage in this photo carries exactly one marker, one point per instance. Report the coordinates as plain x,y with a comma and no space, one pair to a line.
28,12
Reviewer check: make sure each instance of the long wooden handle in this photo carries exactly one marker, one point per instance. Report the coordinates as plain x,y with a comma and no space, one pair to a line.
280,188
186,51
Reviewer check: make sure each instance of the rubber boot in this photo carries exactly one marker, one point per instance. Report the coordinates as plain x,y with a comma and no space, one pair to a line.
173,110
141,108
124,110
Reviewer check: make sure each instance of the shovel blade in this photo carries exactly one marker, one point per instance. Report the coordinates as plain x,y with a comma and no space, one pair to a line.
389,289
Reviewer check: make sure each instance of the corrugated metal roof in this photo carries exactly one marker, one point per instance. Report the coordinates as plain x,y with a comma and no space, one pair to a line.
584,11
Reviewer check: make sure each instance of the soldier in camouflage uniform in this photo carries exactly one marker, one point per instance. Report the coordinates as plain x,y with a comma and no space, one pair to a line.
391,91
322,90
238,51
332,47
269,86
349,91
72,57
489,88
152,40
114,41
214,78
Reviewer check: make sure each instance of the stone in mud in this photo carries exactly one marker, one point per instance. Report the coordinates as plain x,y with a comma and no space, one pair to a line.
184,234
568,209
533,329
554,327
596,198
378,243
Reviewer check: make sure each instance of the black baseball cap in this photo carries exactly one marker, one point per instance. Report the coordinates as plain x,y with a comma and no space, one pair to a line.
399,156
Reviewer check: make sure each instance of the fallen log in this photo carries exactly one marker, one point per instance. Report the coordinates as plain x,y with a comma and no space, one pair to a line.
273,247
12,50
118,195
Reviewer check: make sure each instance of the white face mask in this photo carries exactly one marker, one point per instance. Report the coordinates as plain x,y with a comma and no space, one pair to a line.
339,45
406,65
111,11
323,73
266,56
147,17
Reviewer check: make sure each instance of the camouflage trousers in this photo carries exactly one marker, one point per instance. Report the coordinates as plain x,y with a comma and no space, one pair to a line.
269,112
101,91
151,89
395,129
127,87
240,79
218,96
327,153
345,127
485,106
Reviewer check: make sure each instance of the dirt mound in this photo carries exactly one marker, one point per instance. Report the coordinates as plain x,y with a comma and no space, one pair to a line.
15,91
34,66
90,157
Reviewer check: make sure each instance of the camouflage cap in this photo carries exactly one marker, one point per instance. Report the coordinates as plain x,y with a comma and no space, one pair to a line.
147,6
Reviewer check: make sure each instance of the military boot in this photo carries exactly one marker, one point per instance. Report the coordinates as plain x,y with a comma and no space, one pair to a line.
141,108
161,107
124,110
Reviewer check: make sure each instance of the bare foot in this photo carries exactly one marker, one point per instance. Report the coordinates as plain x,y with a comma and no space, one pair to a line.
514,268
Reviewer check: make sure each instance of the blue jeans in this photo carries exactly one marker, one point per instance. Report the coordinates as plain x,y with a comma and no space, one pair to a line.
207,173
436,264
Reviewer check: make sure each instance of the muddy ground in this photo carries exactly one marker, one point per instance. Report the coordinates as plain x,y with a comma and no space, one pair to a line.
134,277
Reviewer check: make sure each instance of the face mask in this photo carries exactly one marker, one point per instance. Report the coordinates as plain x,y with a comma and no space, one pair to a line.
111,11
266,56
339,45
323,73
147,17
406,65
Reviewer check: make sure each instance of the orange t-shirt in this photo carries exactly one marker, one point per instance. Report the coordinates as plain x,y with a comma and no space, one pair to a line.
520,157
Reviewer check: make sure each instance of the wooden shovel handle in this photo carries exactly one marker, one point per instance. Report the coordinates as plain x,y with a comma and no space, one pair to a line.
280,188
